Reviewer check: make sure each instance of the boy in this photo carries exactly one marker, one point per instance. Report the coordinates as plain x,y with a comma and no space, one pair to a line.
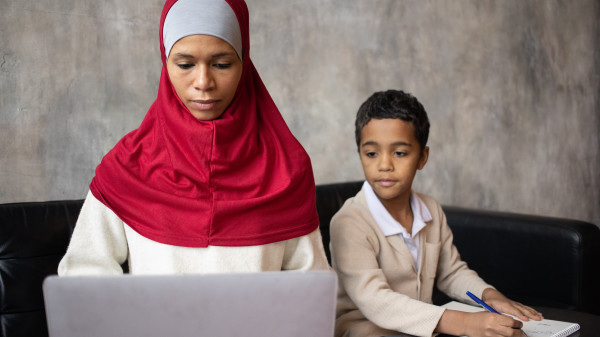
389,243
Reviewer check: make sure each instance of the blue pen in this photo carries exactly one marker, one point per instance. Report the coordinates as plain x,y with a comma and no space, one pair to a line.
482,303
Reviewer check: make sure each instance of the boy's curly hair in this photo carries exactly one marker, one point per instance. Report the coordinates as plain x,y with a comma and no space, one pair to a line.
395,104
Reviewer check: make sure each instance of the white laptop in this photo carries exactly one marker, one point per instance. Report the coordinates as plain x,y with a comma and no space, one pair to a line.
277,304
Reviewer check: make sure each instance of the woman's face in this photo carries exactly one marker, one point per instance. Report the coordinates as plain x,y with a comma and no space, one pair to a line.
205,72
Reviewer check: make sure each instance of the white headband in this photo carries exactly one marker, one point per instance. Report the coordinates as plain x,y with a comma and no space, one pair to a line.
207,17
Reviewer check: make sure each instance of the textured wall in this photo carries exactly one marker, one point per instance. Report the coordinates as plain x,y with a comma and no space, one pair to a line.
512,89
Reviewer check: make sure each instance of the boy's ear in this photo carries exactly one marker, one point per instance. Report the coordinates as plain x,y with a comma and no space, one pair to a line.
424,157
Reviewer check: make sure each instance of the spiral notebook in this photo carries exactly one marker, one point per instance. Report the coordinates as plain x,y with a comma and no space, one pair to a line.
543,328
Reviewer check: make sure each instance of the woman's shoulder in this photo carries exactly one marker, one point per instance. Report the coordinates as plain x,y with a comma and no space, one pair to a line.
94,209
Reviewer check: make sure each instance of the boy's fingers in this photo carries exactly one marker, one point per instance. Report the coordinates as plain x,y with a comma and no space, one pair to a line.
514,311
517,324
532,313
528,312
512,328
509,322
521,311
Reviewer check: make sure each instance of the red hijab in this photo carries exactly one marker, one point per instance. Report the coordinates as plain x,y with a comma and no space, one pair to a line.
239,180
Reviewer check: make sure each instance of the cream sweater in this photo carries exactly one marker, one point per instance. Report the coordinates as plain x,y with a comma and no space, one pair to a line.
101,242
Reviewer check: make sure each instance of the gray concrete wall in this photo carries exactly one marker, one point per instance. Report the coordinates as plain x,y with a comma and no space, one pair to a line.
512,89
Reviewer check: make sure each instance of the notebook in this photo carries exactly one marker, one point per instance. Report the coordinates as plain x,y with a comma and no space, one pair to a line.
290,303
543,328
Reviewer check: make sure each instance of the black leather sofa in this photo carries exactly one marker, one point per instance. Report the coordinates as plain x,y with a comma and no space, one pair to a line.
537,260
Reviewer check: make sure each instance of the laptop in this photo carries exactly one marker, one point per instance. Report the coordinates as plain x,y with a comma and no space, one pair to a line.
277,304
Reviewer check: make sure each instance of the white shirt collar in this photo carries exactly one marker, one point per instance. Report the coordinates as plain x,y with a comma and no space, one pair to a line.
385,221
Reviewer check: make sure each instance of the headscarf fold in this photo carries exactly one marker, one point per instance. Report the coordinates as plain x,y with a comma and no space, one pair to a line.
239,180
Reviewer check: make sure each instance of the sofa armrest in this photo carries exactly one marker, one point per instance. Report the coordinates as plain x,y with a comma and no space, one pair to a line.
535,260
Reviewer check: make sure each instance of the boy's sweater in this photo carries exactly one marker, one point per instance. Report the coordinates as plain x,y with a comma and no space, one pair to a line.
381,291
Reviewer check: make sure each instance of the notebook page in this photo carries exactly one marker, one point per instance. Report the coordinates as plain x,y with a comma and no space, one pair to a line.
543,328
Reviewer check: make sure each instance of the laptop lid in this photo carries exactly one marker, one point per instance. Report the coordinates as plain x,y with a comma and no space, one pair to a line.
290,303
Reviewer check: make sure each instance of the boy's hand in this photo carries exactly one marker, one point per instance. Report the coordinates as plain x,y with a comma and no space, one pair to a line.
477,324
489,324
502,304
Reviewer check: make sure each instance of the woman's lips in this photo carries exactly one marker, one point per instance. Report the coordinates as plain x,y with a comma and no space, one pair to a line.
203,105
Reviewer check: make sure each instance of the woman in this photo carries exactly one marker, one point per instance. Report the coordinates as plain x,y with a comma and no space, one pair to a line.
212,180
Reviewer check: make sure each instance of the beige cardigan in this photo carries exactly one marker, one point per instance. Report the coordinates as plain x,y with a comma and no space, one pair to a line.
381,292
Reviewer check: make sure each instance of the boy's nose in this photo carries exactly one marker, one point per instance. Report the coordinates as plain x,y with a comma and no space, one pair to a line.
385,163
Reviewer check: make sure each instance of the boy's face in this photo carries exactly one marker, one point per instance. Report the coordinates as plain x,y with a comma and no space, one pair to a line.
390,156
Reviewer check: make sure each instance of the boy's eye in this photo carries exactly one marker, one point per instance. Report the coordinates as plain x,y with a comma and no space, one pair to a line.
400,154
370,154
185,66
